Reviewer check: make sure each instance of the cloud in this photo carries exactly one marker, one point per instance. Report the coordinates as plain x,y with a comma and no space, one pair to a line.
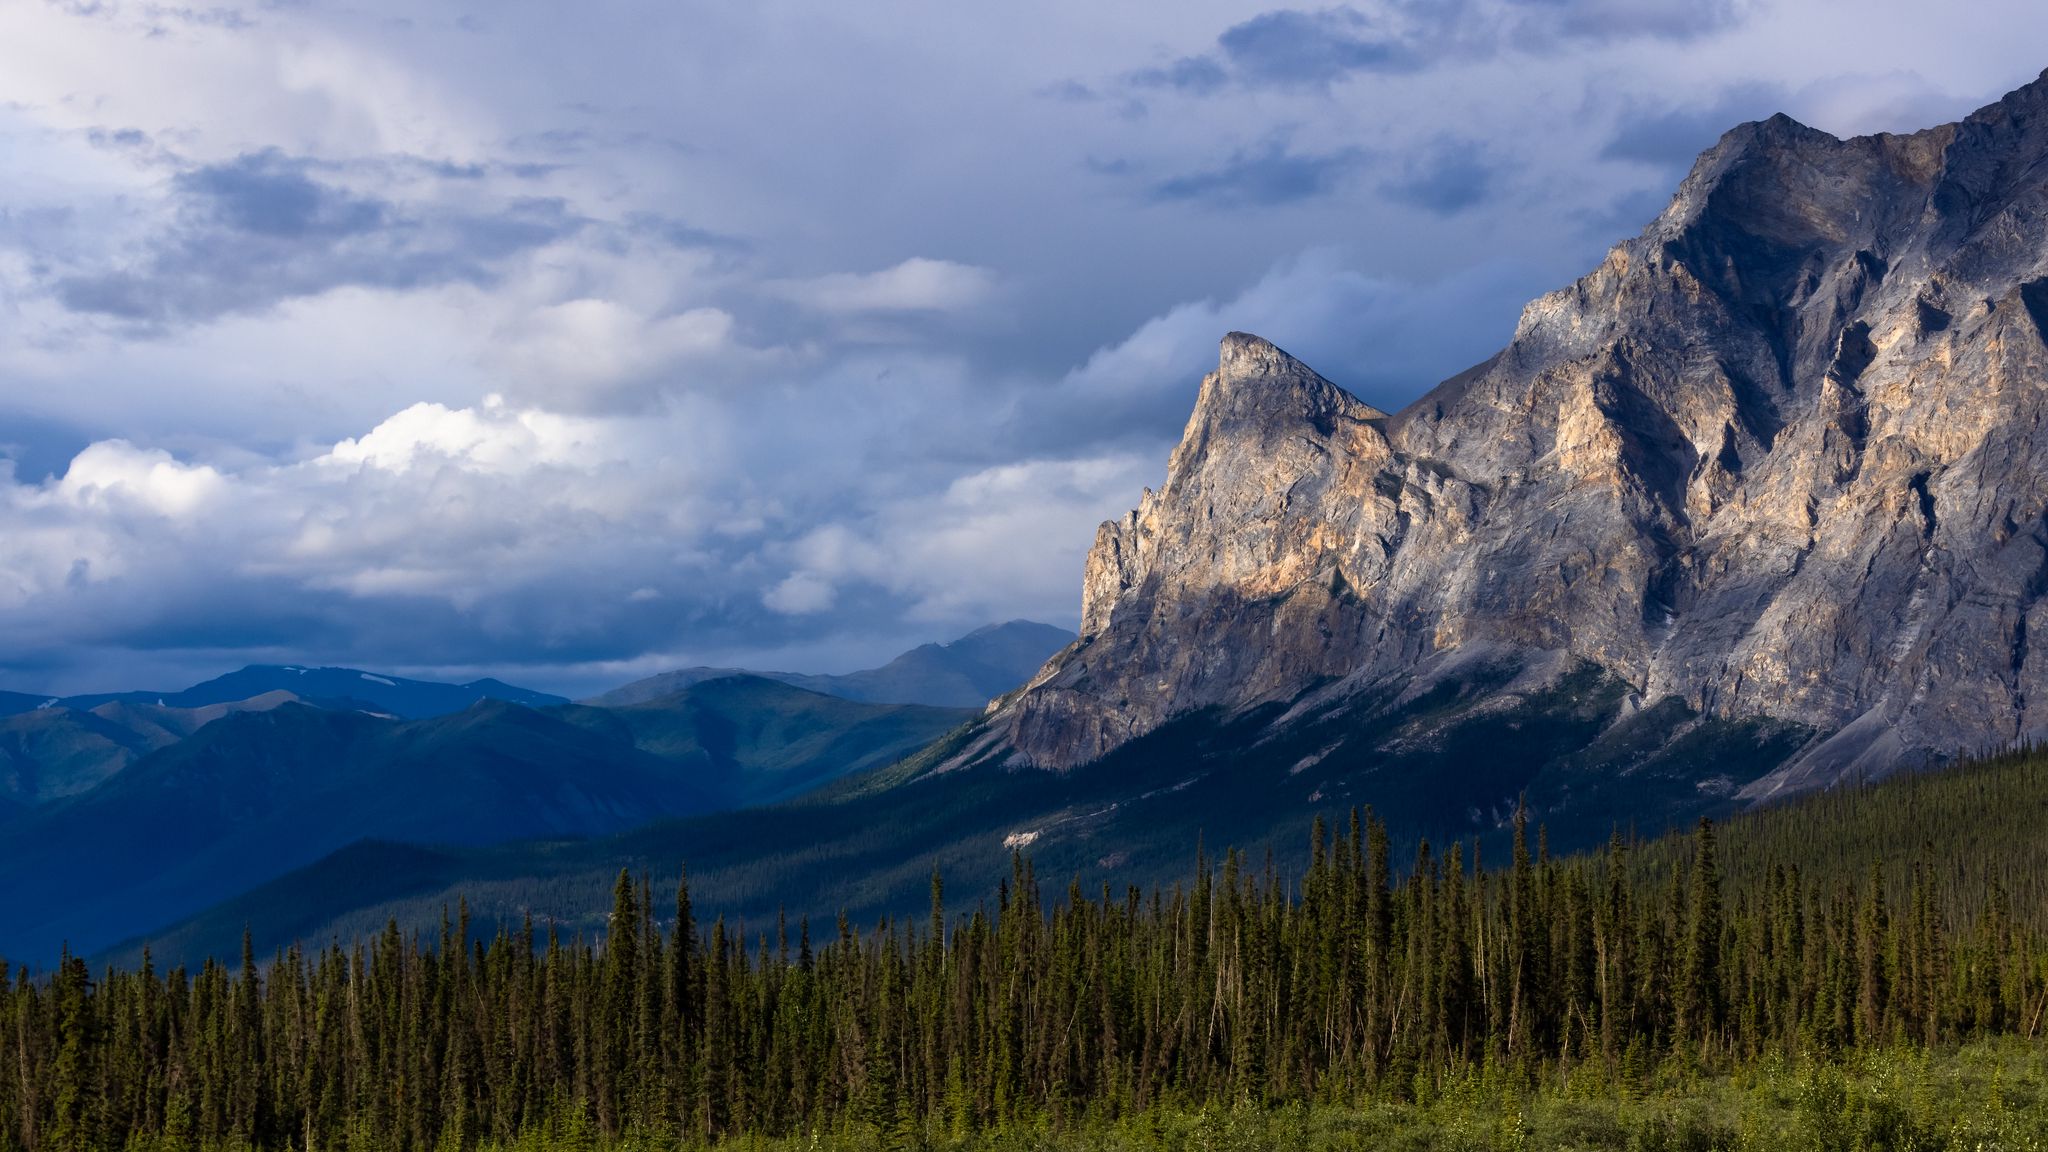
1610,20
1671,135
503,535
262,228
1286,48
488,439
1201,75
269,194
801,594
1290,48
128,140
918,284
1385,340
1314,49
472,531
1446,179
1265,176
116,474
156,18
598,353
930,551
771,307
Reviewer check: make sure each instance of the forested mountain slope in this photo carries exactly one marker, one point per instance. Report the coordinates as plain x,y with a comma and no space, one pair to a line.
49,753
1240,985
866,846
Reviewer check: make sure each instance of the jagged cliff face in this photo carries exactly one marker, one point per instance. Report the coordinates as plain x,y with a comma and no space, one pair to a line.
1780,456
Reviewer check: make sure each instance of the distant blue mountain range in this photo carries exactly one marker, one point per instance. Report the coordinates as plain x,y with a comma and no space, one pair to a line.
367,691
122,811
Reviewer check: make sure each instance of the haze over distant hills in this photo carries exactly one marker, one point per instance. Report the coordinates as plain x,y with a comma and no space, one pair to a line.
966,673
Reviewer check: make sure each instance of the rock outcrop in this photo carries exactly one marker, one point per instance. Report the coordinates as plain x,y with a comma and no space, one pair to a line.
1782,455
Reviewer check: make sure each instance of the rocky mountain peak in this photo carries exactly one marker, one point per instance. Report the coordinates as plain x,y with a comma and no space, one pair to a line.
1256,383
1243,354
1784,455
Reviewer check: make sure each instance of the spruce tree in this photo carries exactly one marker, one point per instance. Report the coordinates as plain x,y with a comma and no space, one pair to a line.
1700,1002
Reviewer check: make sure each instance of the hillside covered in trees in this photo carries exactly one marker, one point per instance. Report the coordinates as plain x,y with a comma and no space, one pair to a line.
1905,917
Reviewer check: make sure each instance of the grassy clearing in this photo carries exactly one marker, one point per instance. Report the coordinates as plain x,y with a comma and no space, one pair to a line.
1985,1097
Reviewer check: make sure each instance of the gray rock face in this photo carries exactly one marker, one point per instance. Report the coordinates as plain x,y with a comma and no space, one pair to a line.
1782,455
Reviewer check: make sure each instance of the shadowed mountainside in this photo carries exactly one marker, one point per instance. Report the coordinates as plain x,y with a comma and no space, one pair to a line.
258,794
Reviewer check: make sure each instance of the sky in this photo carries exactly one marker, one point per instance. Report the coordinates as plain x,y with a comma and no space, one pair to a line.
573,342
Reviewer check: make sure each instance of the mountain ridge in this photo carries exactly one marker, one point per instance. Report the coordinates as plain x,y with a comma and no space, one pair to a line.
54,751
1774,457
259,793
963,673
397,695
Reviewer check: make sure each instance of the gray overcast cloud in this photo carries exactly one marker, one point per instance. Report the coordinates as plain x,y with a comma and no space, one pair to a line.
571,342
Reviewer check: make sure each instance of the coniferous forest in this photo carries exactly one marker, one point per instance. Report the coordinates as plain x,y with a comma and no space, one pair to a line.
1847,972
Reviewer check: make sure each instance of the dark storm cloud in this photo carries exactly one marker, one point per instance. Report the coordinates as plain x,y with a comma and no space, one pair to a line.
265,227
119,139
1198,74
1447,179
1291,48
1262,177
1316,48
1285,48
1605,20
231,19
269,194
1385,341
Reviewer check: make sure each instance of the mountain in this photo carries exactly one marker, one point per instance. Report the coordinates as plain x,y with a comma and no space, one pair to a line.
52,752
52,747
1781,459
49,753
262,793
866,844
1756,505
967,673
751,740
342,687
15,703
257,794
